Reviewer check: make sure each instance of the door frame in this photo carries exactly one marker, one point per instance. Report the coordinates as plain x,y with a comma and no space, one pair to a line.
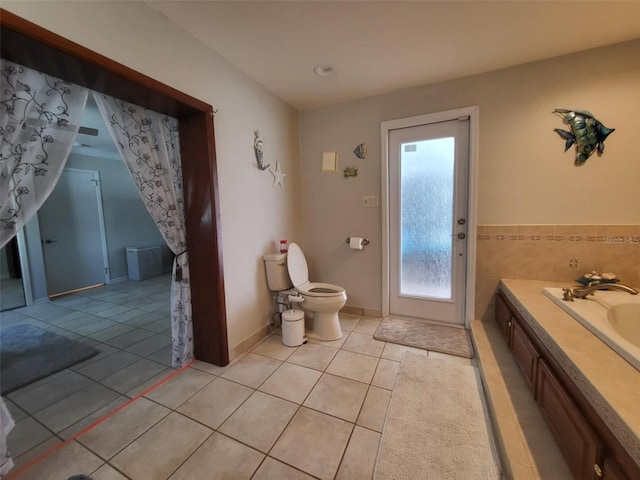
30,45
103,231
473,112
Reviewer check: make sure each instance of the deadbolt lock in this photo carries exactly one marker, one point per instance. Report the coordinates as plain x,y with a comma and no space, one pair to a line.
461,235
461,221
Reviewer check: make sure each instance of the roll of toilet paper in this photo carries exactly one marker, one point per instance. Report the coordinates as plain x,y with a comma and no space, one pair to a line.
355,243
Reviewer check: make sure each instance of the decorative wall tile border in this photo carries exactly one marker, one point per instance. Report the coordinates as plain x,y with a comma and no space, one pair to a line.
617,239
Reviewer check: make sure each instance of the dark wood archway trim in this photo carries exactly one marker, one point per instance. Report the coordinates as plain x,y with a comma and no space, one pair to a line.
28,44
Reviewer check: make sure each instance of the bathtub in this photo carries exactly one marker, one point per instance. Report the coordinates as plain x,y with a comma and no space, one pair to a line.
613,317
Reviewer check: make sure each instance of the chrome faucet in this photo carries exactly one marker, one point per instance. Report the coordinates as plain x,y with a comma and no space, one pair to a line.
568,294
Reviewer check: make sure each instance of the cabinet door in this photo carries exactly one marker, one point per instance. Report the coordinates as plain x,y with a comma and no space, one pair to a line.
611,471
525,354
577,441
503,317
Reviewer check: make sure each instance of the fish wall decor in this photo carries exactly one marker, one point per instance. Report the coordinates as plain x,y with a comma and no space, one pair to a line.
361,151
587,133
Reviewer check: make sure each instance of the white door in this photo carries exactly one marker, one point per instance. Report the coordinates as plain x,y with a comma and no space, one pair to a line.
72,231
428,184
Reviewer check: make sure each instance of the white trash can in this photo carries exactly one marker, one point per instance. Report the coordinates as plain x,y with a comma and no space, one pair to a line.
293,328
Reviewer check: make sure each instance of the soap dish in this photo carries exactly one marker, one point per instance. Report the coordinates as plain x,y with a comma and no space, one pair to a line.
595,281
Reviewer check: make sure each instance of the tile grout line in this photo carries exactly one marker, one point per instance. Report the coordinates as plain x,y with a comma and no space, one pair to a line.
93,425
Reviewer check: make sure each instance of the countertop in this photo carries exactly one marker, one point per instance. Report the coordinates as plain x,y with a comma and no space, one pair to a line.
608,382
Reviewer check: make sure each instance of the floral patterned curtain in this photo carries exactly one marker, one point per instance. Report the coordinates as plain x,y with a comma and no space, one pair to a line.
149,144
39,119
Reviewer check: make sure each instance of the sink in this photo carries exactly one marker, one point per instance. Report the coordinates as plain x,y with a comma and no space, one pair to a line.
613,317
625,319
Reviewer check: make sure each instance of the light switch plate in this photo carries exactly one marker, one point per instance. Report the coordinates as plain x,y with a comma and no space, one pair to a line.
329,161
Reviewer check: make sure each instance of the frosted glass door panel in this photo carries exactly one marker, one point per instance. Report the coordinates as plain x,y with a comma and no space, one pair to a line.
426,211
428,183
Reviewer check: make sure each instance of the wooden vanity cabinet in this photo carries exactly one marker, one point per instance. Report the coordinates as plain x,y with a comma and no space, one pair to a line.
577,440
525,353
503,317
587,443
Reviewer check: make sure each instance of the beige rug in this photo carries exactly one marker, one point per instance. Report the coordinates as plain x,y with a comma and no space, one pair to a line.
437,425
438,338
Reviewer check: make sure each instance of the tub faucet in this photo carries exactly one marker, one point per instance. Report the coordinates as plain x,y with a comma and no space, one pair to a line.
569,294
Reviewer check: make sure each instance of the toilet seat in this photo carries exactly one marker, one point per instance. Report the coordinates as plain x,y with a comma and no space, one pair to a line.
314,289
299,274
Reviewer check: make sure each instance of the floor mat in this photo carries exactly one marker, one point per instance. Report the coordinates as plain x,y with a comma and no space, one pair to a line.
437,424
439,338
29,353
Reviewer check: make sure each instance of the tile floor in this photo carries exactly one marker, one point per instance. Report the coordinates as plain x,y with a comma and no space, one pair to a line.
275,412
128,323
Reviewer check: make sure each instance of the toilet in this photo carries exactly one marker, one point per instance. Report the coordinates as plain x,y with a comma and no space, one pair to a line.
322,301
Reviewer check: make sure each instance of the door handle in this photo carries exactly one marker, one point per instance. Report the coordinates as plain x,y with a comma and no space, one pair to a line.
47,241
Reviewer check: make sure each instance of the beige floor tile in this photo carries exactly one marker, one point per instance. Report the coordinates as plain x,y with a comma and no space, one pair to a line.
366,344
450,358
69,410
252,370
220,458
393,351
160,451
385,376
355,366
333,343
259,421
149,383
367,325
36,452
313,356
348,322
108,365
313,442
107,472
130,377
216,402
72,459
274,348
273,469
211,368
291,382
374,409
359,459
337,396
26,434
149,345
84,422
180,388
118,431
33,400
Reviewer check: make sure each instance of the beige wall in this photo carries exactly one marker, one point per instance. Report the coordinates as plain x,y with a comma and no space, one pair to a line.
524,176
253,213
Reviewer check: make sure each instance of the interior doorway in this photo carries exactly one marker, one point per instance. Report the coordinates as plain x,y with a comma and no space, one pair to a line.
28,44
74,243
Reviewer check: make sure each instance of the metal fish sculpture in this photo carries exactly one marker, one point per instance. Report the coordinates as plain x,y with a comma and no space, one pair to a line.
361,151
587,133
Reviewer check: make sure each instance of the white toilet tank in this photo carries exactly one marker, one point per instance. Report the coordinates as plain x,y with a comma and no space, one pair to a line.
277,275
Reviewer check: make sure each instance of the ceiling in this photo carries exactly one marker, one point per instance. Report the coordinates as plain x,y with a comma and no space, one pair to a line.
382,46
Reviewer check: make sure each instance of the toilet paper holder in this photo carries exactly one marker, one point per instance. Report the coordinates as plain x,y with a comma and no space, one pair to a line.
365,241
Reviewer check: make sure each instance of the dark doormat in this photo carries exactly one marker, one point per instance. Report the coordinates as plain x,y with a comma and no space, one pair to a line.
29,353
439,338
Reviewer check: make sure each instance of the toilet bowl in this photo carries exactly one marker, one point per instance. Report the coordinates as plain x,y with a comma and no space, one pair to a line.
321,300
